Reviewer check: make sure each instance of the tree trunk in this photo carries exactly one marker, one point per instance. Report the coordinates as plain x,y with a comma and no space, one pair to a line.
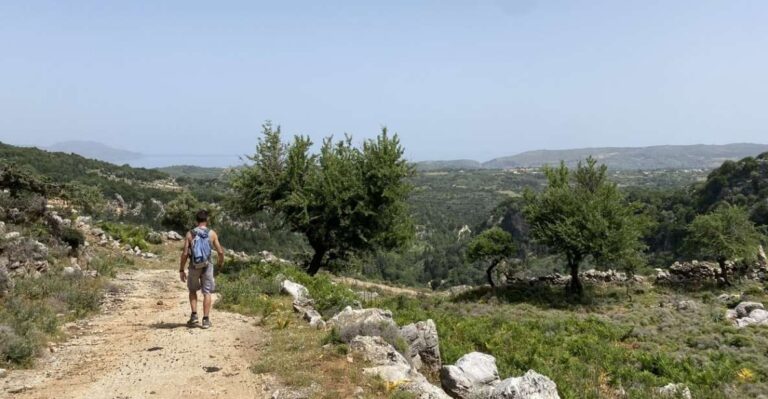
574,287
489,274
316,262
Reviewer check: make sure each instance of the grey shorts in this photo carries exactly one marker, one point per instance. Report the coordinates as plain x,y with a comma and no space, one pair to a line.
201,279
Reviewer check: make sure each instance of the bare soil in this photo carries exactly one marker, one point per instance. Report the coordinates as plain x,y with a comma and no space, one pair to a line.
141,347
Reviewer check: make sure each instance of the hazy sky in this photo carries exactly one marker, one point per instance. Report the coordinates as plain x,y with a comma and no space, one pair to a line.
456,79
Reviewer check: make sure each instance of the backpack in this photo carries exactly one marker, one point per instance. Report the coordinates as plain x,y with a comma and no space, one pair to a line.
200,250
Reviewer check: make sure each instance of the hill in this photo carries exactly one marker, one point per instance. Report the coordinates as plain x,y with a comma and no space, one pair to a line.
467,164
698,156
193,172
743,183
94,150
655,157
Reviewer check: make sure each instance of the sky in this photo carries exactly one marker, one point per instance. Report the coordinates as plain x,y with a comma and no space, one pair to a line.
455,79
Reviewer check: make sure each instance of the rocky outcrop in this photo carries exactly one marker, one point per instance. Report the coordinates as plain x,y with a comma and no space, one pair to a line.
473,376
239,256
173,236
673,390
366,322
155,238
531,385
387,362
22,256
391,366
747,314
423,346
269,257
298,292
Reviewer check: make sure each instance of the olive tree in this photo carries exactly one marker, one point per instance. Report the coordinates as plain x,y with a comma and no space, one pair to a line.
581,214
493,246
722,235
344,199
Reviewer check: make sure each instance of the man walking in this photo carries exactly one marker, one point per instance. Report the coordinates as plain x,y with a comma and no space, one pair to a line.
197,250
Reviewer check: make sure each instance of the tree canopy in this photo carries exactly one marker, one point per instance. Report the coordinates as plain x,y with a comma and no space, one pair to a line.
582,214
344,199
722,235
493,245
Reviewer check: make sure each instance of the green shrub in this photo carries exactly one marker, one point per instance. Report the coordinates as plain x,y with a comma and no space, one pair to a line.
135,236
29,312
243,283
72,237
108,265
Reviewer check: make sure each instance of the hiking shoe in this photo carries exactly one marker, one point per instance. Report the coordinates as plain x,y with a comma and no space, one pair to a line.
192,319
206,323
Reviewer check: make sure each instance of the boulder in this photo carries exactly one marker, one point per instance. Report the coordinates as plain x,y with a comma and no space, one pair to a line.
673,390
12,235
745,308
310,315
686,305
423,346
366,322
387,362
391,366
83,221
367,295
747,313
173,236
474,375
155,238
299,292
759,315
531,385
269,257
729,298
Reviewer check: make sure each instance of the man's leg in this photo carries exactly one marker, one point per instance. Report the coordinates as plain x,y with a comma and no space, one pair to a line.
208,285
206,305
193,284
193,301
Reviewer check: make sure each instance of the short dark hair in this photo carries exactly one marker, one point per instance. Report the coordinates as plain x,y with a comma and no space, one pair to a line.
201,216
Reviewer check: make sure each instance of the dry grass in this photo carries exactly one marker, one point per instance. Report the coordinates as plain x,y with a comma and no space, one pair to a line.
298,356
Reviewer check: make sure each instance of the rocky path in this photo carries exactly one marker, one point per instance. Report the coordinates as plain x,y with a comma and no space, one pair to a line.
139,347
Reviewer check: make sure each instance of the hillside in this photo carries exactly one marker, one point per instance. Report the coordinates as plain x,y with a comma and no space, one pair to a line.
194,172
743,183
467,164
622,158
94,150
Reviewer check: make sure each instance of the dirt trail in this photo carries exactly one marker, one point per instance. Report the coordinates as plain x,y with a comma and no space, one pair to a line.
139,347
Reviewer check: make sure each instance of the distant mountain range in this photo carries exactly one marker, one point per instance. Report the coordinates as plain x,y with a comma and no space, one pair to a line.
698,156
94,150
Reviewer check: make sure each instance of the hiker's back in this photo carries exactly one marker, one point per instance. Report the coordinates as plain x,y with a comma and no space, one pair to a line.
200,251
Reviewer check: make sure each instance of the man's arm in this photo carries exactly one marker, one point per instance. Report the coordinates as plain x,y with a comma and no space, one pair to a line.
184,257
219,249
